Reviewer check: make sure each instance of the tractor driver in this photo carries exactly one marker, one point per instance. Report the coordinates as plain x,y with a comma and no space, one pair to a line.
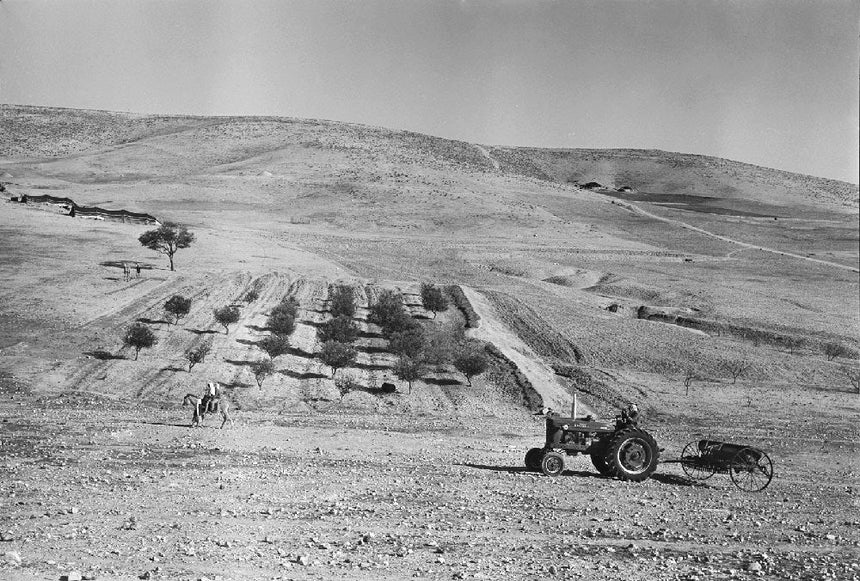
631,414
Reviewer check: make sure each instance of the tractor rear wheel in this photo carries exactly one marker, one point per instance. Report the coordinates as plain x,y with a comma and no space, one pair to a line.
533,458
552,464
631,454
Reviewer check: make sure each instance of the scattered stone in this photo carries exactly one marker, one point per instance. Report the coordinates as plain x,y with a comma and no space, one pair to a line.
6,537
755,566
72,576
13,558
304,560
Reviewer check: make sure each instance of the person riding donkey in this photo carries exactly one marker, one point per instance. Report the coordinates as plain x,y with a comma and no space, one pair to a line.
209,403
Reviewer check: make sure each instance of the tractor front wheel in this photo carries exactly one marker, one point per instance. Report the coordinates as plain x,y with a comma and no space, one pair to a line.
552,464
631,454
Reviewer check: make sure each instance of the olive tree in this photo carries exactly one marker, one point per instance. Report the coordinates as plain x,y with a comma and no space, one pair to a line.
433,298
281,322
177,306
167,239
386,308
337,355
409,342
274,345
472,361
341,329
341,301
262,370
409,369
226,316
139,336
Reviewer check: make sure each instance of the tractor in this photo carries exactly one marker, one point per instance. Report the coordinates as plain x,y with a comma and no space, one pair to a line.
618,448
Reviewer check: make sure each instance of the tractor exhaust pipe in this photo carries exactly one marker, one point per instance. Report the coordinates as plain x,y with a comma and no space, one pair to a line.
573,407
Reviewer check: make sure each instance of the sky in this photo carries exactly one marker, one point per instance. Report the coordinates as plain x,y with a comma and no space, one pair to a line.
769,82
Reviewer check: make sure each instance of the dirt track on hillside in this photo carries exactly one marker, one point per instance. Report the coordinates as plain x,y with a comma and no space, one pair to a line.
672,221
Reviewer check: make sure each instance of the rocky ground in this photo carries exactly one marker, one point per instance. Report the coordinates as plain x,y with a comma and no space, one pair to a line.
116,492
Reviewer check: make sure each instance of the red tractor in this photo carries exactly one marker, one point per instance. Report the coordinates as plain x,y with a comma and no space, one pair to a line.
618,448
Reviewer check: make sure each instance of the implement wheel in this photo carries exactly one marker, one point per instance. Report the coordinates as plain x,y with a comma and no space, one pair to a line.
631,454
552,464
533,458
751,470
694,465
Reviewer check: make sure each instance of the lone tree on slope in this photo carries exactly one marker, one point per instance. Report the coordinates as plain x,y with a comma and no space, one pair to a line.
178,306
226,316
167,239
140,337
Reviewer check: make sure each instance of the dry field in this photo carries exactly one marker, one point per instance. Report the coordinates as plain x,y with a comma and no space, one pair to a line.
616,298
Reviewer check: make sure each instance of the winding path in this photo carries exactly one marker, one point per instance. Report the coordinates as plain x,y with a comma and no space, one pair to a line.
637,209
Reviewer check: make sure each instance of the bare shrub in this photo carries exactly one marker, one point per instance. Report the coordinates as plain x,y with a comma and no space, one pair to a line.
791,343
853,375
833,349
737,368
345,384
689,377
197,355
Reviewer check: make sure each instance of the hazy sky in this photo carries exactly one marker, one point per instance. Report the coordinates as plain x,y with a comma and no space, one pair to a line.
771,82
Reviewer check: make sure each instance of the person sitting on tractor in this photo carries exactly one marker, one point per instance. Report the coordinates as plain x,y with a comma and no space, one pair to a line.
630,415
209,403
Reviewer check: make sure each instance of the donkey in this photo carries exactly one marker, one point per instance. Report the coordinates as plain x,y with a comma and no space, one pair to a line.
222,406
